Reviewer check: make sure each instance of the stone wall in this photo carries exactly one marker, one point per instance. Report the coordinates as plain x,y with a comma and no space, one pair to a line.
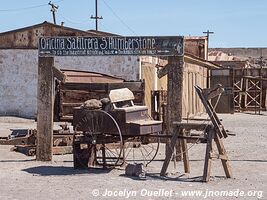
19,73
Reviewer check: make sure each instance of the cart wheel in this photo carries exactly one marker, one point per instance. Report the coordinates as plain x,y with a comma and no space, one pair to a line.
141,149
100,130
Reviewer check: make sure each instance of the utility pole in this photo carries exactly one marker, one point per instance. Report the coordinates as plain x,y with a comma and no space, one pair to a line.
53,10
96,17
208,35
207,54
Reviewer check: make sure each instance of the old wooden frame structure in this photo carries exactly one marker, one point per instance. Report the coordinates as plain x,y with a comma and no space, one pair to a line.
245,89
47,72
171,47
213,133
79,86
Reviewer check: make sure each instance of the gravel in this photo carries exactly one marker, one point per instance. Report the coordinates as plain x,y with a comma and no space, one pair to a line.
22,177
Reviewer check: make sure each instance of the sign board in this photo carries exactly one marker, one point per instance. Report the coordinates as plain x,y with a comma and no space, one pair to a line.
110,45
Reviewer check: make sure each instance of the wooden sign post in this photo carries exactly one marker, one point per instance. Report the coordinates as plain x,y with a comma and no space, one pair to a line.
174,106
175,93
45,109
171,46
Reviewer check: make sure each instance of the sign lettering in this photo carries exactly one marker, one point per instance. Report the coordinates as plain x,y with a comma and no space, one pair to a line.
105,46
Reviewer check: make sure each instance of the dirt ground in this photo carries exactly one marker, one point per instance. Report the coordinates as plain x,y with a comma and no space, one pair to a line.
22,177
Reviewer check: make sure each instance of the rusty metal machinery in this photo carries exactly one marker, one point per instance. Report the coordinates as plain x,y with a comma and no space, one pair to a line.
24,140
114,134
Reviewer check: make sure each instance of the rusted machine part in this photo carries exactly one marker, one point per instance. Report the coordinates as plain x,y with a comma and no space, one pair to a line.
61,138
24,141
27,138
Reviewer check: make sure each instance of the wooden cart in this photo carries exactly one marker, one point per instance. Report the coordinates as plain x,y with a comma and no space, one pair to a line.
116,134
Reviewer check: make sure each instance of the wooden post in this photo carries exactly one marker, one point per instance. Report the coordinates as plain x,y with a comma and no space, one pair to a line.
45,109
185,152
174,99
223,156
169,151
209,149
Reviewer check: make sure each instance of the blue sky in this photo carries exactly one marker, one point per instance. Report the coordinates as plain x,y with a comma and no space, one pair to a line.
236,23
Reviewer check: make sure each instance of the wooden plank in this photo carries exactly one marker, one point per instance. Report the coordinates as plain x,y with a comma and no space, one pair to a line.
163,71
207,164
185,152
189,126
212,114
58,74
169,152
45,109
210,93
222,151
62,150
133,86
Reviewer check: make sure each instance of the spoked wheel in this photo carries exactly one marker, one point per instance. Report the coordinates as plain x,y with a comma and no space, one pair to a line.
141,149
102,135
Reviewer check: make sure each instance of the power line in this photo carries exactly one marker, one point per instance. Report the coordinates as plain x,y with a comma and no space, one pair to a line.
26,8
73,21
120,19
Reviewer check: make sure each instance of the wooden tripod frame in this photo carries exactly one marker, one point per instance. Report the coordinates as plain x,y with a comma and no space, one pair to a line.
213,133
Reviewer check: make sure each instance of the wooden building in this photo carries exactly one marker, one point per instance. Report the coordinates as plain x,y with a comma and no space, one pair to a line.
19,64
243,73
196,71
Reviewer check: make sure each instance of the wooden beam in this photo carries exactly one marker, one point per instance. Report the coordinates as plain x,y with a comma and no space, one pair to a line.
169,152
210,93
59,74
163,71
174,97
200,62
209,149
222,152
185,153
45,109
189,126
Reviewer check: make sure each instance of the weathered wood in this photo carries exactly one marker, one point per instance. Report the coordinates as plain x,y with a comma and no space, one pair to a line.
222,151
174,99
133,86
45,109
58,74
169,152
62,150
212,114
207,164
190,126
163,71
210,93
185,153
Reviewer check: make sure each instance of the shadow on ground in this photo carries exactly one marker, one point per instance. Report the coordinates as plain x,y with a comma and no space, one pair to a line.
62,171
156,176
16,161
